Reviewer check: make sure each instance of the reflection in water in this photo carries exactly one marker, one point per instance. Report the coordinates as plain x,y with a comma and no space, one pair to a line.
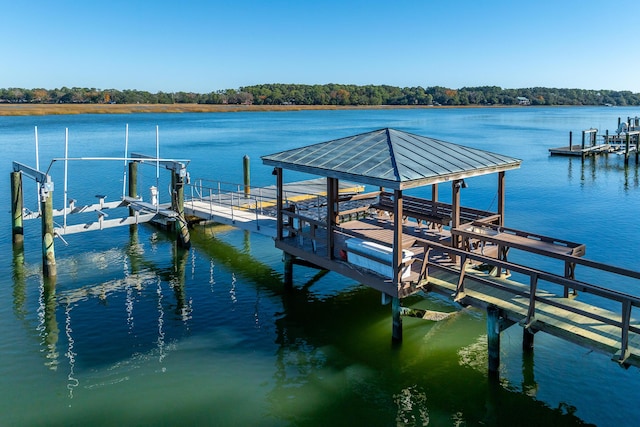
129,307
232,291
72,381
160,341
212,281
193,265
529,384
47,325
256,309
19,283
475,355
177,282
590,166
412,407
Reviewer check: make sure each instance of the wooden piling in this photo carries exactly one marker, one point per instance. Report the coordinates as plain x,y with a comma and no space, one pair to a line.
48,252
246,169
17,205
288,270
570,140
493,339
627,145
133,191
527,340
181,225
396,332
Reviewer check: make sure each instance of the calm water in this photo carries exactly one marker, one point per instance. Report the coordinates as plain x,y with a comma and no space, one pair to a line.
136,332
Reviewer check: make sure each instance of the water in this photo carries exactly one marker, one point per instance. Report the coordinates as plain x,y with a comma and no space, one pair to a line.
137,332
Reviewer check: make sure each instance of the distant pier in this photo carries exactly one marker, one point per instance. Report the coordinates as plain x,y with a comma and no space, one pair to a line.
625,141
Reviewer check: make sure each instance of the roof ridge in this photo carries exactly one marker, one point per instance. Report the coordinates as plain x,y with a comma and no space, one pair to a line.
392,153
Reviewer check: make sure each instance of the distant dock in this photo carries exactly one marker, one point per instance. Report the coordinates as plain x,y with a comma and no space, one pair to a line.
625,141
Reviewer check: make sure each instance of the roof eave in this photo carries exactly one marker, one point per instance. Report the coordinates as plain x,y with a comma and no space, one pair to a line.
390,184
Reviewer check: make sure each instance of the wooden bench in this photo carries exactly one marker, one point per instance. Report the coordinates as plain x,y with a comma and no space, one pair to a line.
435,214
477,234
418,209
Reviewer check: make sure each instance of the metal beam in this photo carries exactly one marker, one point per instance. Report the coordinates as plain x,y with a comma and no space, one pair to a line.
179,167
32,173
102,224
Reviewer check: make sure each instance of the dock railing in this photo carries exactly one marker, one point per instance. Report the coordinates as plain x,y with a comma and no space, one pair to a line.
221,196
612,307
626,301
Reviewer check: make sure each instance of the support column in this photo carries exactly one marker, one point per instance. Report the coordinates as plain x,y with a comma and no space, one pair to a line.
279,204
527,340
246,169
48,252
17,205
332,214
455,214
133,191
396,332
434,198
493,339
288,270
627,145
570,141
181,225
501,196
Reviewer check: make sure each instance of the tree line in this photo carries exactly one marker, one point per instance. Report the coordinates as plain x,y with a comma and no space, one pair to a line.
329,94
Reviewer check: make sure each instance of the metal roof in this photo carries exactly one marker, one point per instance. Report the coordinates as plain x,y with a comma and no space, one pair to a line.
392,159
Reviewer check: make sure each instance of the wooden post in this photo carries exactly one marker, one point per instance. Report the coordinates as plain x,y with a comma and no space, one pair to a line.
279,203
455,214
626,149
396,333
570,141
17,205
493,339
246,169
434,198
133,191
48,252
288,270
501,196
527,340
181,225
332,214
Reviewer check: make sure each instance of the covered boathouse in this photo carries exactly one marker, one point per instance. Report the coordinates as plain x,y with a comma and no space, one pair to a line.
382,238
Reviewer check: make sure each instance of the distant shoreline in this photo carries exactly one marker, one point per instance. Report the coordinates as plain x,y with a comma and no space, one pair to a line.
68,109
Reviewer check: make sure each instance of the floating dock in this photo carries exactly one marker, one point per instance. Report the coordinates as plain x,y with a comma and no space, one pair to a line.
625,142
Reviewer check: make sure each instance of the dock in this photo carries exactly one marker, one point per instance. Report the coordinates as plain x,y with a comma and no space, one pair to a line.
355,219
255,209
625,141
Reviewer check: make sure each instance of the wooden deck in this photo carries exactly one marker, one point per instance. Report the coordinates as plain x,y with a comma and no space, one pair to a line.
543,304
578,151
536,307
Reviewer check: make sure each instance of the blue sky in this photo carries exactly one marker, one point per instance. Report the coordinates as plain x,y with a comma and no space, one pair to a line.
204,46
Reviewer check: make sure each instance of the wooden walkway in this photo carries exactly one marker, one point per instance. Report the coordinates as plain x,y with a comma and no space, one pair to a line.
255,211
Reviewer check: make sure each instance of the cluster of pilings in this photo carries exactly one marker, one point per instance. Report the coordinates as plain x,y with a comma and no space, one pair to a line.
45,194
